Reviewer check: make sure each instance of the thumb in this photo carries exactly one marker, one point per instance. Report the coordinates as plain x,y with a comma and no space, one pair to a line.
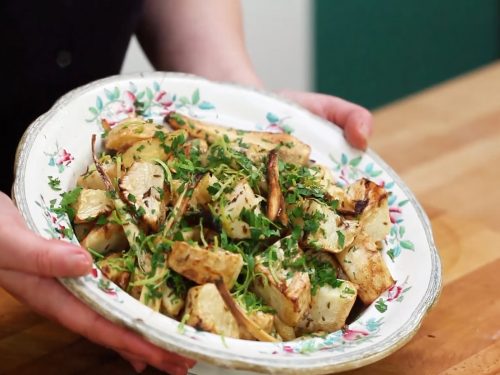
24,251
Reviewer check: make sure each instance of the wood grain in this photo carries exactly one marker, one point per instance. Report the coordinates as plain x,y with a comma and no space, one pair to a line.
445,144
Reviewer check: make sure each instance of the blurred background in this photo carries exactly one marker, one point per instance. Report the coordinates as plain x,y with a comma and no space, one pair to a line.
368,51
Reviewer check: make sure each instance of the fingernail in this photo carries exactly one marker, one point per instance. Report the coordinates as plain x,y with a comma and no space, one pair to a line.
79,261
364,129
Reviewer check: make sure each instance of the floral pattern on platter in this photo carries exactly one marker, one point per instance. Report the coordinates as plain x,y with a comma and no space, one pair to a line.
275,124
59,158
154,103
151,103
362,331
350,170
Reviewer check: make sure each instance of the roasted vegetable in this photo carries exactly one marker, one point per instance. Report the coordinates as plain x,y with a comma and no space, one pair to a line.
367,269
91,204
256,144
114,267
206,310
275,202
105,238
205,265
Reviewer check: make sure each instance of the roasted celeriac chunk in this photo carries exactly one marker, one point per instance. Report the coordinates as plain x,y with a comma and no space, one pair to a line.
330,307
369,202
286,332
284,289
229,210
91,178
114,267
205,265
105,238
367,269
91,204
146,150
206,310
256,144
142,187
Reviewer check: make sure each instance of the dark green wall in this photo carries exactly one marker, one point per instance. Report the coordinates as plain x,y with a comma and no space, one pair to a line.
376,51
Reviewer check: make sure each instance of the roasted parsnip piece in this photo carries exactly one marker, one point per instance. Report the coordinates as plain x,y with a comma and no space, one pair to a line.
289,148
142,188
130,131
206,310
284,289
91,204
91,179
329,308
205,265
239,314
275,201
264,321
367,269
286,332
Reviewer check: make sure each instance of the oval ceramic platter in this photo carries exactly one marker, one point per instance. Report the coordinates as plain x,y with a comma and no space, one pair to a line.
57,147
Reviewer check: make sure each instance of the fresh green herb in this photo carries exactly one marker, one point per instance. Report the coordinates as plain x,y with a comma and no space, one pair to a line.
66,205
55,183
340,239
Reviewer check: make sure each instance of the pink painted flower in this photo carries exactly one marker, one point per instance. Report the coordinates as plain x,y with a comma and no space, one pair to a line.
94,272
395,214
65,158
287,349
394,292
163,98
274,128
354,334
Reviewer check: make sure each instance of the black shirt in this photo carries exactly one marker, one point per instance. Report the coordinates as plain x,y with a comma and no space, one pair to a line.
50,47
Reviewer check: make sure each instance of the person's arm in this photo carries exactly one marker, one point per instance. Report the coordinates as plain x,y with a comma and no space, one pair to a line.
206,38
28,267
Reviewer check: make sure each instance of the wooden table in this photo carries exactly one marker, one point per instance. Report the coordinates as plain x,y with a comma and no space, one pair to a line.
445,143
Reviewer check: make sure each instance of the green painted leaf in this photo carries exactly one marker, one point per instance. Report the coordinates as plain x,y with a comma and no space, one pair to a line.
149,93
403,202
184,100
272,118
369,169
156,86
355,162
195,98
109,94
381,306
140,95
287,129
94,111
99,104
375,173
343,159
391,255
401,231
206,105
406,244
116,93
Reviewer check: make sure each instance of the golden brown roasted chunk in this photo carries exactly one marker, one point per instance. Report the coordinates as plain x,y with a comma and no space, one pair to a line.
146,150
329,308
367,269
205,265
369,202
142,187
115,269
257,144
105,238
207,311
284,289
130,131
286,332
91,204
91,179
265,321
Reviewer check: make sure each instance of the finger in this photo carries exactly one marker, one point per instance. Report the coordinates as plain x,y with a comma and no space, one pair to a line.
356,121
47,296
136,362
23,250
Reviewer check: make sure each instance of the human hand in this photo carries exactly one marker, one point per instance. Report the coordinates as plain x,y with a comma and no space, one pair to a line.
28,266
355,120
